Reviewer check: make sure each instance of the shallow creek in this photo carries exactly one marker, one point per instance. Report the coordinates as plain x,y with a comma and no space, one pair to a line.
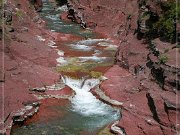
82,64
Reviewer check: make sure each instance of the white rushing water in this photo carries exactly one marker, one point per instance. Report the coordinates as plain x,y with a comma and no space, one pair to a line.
85,113
81,47
93,58
87,45
62,8
92,41
84,102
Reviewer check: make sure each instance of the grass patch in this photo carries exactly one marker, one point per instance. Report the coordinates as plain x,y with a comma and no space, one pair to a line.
163,59
81,67
19,14
78,70
96,74
75,67
72,68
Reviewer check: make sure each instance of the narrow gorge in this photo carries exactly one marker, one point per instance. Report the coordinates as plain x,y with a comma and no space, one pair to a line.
89,67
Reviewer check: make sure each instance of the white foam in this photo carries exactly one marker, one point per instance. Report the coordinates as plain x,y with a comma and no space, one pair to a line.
93,58
81,47
117,129
97,52
84,102
111,47
104,44
60,53
62,8
52,17
61,60
91,41
40,38
108,46
51,44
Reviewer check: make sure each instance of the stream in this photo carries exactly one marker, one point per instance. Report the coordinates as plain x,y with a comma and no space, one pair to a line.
82,64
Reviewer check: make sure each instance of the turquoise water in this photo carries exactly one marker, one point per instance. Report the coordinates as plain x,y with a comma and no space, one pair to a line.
71,123
52,17
84,114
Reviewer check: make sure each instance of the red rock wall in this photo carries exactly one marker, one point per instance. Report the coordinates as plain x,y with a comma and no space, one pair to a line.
27,61
145,108
108,17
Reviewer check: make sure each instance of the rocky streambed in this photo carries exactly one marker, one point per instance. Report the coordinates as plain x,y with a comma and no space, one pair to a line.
46,67
81,62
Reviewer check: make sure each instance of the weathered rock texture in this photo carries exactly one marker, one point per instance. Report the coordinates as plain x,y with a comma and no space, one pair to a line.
147,85
140,79
26,62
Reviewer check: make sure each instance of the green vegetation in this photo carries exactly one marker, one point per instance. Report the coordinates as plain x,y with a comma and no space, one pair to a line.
95,74
72,68
161,23
166,25
88,68
75,67
163,59
19,14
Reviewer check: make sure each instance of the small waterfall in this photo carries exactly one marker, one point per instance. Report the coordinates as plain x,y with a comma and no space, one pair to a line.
84,102
84,113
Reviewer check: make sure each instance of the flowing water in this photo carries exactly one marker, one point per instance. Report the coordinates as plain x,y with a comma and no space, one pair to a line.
87,59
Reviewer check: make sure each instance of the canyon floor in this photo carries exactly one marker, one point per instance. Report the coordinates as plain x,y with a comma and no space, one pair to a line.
149,106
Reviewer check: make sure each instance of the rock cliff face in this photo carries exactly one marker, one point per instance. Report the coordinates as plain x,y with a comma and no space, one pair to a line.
146,74
126,21
25,61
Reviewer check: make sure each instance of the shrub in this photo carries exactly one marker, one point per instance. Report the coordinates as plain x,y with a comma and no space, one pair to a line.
163,59
166,25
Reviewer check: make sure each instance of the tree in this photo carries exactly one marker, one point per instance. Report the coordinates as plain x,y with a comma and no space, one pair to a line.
166,25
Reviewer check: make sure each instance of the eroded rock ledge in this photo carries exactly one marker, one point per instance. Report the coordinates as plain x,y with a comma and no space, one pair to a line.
28,63
146,85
